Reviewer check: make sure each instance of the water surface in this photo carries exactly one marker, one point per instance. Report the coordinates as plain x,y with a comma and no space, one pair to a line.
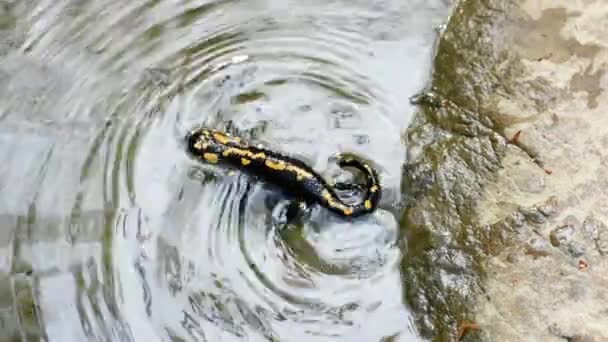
110,231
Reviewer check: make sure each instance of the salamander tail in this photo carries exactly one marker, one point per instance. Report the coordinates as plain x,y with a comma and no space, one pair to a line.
372,197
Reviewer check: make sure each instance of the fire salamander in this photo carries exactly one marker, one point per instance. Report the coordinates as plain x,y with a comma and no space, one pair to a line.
291,175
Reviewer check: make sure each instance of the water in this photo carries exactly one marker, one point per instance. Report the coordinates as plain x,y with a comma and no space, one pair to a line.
110,232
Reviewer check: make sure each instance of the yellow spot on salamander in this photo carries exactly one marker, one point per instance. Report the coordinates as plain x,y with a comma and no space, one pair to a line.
243,153
280,165
232,150
221,138
332,202
367,204
200,144
211,157
373,189
300,173
245,161
225,139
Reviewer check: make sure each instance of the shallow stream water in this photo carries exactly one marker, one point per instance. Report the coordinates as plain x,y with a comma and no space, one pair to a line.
110,232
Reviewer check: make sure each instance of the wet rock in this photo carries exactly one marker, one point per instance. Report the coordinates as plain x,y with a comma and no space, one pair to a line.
602,242
597,230
548,209
555,330
592,227
512,209
564,238
537,248
533,215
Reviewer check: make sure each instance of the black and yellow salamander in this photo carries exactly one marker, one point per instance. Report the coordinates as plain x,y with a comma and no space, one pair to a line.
291,175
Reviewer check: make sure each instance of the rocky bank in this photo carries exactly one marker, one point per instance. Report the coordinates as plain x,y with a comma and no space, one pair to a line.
506,222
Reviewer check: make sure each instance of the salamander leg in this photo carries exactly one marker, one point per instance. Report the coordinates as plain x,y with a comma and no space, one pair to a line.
287,210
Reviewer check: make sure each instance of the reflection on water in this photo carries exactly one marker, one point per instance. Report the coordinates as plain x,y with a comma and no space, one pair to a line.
110,232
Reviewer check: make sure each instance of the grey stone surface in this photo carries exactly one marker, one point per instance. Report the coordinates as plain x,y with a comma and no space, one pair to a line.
506,225
561,295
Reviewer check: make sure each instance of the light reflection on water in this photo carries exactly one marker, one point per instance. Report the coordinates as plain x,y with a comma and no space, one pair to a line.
112,233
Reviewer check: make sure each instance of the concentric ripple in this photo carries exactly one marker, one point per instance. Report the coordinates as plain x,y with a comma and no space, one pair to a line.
190,252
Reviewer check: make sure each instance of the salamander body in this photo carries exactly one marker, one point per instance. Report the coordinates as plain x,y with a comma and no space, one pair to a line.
290,174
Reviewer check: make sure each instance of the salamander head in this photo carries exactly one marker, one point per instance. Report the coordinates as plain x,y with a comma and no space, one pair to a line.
203,145
209,144
212,136
199,141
